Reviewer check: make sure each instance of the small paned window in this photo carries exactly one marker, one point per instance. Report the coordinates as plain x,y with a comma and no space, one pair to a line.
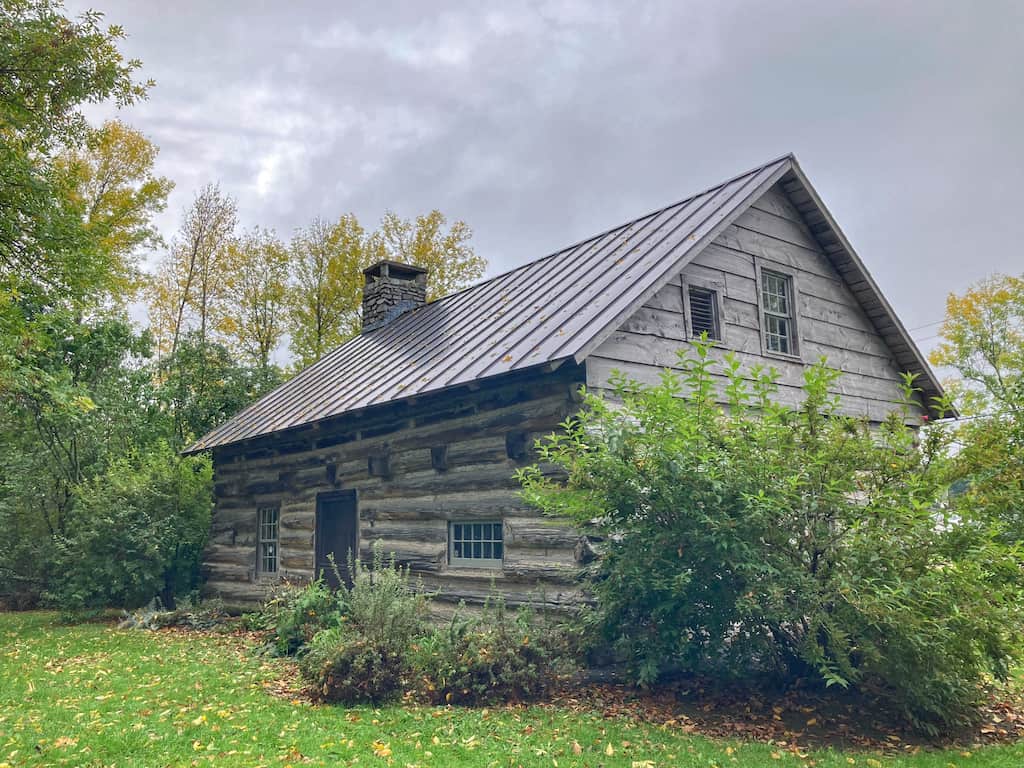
777,305
477,544
704,312
267,546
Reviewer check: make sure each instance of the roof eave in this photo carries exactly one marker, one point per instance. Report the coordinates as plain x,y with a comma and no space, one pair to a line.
892,317
548,366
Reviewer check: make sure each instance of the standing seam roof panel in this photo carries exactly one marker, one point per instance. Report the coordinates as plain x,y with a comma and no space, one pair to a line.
551,309
557,286
484,322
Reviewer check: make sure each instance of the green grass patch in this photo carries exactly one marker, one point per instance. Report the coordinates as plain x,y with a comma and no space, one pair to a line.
93,695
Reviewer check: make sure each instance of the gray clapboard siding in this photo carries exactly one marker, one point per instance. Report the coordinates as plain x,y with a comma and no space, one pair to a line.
830,321
851,405
663,353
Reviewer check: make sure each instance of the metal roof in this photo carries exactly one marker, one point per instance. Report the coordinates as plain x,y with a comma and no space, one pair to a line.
558,307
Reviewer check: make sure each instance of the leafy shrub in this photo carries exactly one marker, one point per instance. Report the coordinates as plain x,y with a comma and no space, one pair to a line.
137,531
296,614
347,666
366,656
492,657
382,603
762,541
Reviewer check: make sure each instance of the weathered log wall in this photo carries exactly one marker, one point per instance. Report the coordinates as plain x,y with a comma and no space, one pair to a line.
830,321
415,466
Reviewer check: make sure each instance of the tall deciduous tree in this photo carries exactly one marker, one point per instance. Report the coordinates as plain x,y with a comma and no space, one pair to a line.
251,317
202,384
983,340
72,387
425,242
191,279
111,181
328,259
50,65
323,302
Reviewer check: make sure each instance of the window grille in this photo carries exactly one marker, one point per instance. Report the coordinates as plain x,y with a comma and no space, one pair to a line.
476,544
267,547
777,306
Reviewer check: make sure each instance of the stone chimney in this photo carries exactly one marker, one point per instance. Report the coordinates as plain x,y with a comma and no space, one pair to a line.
391,288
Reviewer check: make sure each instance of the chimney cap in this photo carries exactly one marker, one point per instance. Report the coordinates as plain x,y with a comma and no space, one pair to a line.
395,269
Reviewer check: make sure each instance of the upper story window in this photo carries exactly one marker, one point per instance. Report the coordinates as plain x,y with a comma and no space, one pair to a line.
267,541
703,312
777,307
476,544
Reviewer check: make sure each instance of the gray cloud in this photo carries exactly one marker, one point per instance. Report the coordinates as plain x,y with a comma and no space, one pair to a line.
544,122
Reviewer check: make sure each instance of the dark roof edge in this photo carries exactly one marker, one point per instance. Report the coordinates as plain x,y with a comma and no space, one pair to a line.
905,336
550,365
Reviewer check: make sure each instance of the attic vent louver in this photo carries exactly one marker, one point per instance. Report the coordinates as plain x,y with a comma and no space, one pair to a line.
703,312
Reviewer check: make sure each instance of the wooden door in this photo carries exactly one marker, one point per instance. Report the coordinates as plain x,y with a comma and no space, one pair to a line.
337,530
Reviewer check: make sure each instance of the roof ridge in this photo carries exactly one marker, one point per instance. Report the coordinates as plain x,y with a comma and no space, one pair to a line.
687,199
609,230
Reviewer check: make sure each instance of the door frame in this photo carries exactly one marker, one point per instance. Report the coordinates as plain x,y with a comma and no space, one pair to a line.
318,554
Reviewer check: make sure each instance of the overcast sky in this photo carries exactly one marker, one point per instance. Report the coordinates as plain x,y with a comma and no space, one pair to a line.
541,123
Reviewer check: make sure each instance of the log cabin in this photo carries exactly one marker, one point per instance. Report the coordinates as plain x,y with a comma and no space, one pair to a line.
409,434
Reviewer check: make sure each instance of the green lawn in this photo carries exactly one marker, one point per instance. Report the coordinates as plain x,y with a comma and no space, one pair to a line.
92,695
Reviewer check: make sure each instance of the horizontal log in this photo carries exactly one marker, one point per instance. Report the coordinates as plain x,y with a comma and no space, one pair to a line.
489,503
557,567
497,408
225,554
540,533
296,560
475,588
222,536
302,540
428,531
419,557
458,478
508,390
299,522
